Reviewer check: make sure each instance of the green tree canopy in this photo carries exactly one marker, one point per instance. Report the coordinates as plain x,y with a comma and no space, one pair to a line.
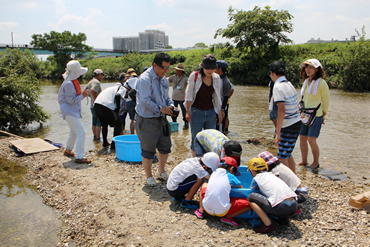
257,28
19,89
63,45
200,45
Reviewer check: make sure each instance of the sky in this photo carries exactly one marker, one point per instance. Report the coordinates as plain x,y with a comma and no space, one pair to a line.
185,22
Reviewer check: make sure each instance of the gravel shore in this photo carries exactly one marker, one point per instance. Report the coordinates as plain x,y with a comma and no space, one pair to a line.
107,203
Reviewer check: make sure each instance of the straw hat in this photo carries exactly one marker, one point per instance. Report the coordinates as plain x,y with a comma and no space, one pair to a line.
180,66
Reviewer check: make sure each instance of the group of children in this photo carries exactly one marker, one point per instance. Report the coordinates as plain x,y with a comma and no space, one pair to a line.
280,190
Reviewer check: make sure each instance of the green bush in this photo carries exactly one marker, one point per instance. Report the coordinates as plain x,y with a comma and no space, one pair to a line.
19,89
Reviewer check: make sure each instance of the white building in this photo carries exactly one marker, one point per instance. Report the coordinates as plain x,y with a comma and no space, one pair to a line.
148,40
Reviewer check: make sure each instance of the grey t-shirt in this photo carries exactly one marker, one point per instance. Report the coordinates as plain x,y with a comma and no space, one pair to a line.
94,84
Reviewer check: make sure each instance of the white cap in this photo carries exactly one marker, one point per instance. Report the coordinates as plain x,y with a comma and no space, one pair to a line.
74,70
211,160
314,62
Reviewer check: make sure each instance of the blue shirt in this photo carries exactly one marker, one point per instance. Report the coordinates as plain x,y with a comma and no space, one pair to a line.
152,94
69,101
233,180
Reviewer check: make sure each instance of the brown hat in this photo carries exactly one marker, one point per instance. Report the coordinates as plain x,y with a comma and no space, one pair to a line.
130,70
208,62
180,66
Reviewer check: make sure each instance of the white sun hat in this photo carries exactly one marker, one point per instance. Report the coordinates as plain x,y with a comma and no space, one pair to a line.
314,62
74,70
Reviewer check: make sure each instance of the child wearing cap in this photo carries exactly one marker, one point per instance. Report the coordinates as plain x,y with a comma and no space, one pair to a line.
277,200
212,140
187,177
215,195
284,173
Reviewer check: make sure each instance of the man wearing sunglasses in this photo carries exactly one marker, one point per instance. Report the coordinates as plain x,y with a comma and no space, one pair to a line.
152,128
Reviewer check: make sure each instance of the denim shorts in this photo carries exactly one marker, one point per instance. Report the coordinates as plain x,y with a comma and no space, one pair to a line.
95,119
198,148
313,130
274,112
131,109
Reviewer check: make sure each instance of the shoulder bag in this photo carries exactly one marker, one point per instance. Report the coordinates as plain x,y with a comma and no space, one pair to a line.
308,115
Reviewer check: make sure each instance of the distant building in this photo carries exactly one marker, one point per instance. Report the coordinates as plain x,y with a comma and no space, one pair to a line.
316,41
148,40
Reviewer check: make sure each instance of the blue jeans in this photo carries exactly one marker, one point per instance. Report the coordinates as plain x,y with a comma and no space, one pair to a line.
201,120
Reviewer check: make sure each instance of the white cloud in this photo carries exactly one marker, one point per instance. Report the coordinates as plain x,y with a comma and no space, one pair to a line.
8,25
162,26
68,21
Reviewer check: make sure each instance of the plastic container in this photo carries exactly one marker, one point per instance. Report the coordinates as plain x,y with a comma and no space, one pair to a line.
246,179
174,126
128,148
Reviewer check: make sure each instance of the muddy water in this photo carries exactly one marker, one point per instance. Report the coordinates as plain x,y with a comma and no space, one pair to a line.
344,140
24,219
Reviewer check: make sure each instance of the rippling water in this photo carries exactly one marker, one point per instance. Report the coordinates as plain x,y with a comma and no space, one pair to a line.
344,139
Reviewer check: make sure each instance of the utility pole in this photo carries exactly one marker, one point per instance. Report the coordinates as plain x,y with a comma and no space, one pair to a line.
12,40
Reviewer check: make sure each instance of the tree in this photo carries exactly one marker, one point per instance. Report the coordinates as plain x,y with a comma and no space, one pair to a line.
63,45
19,89
257,28
200,45
258,33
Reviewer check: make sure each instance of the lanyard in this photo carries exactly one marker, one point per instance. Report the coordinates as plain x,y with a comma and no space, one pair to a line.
178,83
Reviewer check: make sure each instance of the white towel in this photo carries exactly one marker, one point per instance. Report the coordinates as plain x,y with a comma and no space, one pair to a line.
312,89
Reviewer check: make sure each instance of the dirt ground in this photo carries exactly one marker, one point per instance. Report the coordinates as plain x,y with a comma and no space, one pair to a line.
107,203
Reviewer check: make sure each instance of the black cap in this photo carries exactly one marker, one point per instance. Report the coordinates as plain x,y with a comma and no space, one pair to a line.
233,149
277,67
208,62
222,64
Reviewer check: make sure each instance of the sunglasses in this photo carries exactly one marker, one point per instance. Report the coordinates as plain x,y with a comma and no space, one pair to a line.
164,68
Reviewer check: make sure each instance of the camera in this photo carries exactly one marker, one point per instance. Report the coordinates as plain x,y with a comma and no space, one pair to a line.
175,112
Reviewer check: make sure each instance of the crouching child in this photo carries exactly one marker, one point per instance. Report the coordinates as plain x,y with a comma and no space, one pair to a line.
286,174
187,177
215,198
277,200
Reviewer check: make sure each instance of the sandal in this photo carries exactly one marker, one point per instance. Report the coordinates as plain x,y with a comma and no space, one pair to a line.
69,153
263,228
83,161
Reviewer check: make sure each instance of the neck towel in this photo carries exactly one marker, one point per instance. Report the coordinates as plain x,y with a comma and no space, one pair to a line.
312,89
77,86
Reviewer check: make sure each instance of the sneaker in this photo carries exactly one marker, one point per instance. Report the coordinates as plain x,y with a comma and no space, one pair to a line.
188,204
178,199
151,181
229,221
199,214
162,176
283,221
298,212
263,228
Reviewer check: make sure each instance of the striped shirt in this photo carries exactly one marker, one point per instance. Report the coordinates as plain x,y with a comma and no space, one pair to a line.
285,174
285,92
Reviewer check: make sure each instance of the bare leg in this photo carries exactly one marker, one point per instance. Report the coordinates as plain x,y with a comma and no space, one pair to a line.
274,121
266,220
132,127
244,210
194,189
304,149
204,185
97,132
162,159
193,153
93,131
315,151
147,164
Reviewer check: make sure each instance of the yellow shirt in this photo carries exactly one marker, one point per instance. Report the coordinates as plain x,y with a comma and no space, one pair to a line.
322,96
